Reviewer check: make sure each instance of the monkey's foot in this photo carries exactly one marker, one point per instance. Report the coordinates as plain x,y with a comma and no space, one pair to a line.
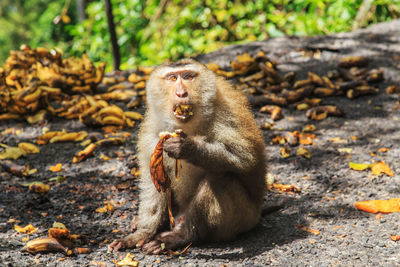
128,242
164,241
116,245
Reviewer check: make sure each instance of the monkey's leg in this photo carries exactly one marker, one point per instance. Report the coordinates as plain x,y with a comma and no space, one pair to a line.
152,216
220,210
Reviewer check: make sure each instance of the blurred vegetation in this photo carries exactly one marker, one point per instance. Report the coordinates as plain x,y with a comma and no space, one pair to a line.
150,32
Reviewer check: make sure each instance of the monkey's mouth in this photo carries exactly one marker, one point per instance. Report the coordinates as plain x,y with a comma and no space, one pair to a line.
183,112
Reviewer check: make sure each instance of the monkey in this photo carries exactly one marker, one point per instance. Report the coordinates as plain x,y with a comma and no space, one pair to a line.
221,183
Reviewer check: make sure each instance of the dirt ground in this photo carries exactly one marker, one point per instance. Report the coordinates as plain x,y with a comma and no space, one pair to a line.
329,188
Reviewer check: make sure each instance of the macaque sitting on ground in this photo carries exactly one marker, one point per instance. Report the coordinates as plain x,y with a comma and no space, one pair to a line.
221,185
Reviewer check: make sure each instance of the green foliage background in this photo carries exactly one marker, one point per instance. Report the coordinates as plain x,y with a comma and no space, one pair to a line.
150,32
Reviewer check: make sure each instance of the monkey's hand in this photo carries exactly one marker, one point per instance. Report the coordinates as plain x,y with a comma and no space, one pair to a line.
176,147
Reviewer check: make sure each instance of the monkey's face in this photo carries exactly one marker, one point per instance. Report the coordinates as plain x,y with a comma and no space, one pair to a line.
181,90
180,84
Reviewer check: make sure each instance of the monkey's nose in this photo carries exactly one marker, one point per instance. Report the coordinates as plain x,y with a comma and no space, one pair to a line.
180,92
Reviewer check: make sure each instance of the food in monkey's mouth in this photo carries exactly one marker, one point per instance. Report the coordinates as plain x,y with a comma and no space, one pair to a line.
183,111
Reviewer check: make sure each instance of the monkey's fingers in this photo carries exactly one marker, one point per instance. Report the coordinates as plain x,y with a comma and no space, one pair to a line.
173,147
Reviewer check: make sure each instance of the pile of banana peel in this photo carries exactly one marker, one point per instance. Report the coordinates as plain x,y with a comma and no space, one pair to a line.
38,83
258,77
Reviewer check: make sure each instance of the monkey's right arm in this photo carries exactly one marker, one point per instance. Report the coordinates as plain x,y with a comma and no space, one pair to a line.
235,155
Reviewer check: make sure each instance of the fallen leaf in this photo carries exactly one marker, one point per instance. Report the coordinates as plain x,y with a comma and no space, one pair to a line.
285,188
29,148
392,89
347,150
29,229
107,207
279,140
306,139
337,140
84,154
307,229
309,128
128,261
383,206
380,167
359,166
304,152
56,168
59,233
57,179
383,150
12,152
38,187
170,252
59,225
395,238
285,152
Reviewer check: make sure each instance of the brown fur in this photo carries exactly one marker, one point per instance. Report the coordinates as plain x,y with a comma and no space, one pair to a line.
221,186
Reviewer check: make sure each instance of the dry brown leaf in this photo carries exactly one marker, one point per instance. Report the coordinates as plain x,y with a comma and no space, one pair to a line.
284,188
128,261
347,150
392,89
279,140
170,252
304,152
29,148
306,139
395,238
383,150
307,229
11,152
337,140
378,168
106,208
273,110
309,128
29,229
285,152
39,187
84,154
59,233
56,168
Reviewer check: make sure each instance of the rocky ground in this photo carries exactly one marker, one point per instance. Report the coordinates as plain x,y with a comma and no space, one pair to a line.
338,234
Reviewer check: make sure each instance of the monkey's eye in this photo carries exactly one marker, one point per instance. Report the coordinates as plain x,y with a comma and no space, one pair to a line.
188,76
172,77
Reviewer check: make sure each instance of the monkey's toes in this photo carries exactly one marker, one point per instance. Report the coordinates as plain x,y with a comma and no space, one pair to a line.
152,247
116,246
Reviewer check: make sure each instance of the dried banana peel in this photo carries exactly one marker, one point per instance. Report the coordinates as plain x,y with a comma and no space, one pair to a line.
158,175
